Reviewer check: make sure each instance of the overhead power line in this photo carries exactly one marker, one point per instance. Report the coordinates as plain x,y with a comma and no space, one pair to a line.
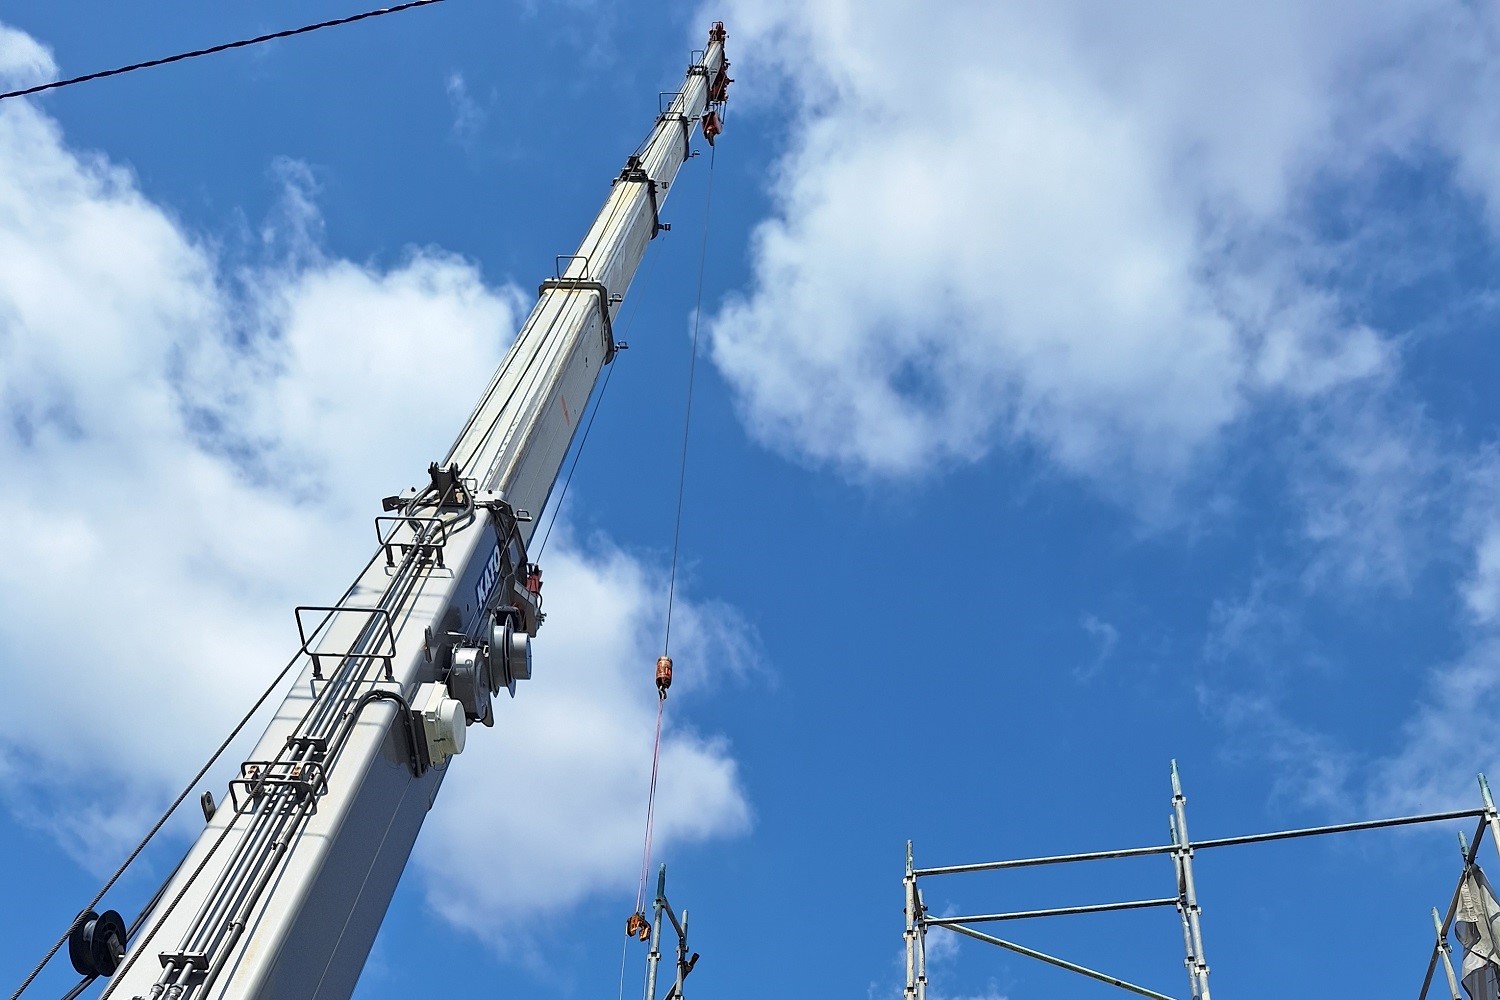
242,43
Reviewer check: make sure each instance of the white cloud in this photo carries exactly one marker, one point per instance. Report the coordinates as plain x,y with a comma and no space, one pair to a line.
1450,735
1106,636
1369,482
1312,770
24,62
468,116
190,448
942,951
1481,592
1080,228
1448,740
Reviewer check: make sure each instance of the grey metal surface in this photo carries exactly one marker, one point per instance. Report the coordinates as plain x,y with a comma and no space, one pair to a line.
1197,963
286,887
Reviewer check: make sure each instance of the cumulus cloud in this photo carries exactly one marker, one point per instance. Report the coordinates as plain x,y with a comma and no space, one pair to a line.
24,62
1135,241
193,441
1080,228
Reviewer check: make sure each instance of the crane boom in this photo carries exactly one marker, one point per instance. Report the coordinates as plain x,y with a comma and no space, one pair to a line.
286,887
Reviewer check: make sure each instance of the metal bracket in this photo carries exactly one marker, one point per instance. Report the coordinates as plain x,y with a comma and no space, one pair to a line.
304,779
635,173
687,131
316,746
429,551
585,285
197,961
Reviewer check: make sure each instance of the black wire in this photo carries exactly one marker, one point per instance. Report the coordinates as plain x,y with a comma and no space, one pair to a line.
687,420
242,43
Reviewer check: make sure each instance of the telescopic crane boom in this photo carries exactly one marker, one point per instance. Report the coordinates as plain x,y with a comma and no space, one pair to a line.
283,892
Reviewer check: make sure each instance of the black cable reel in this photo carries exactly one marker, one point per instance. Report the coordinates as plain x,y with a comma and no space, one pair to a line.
97,943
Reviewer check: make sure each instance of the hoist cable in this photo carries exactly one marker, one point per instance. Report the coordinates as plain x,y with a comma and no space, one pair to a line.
687,420
177,802
624,949
212,49
640,894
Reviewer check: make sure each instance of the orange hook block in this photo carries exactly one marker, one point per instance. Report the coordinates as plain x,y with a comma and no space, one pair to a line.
663,674
637,927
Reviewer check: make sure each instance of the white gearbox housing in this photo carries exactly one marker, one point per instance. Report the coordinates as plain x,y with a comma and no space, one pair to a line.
443,722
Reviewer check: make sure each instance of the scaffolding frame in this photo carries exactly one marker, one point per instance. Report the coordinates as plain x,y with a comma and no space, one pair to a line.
1181,849
653,958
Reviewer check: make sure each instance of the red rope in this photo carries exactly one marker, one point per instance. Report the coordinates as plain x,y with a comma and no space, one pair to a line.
640,895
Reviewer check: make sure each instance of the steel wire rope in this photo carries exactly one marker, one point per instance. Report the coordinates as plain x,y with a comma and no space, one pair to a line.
687,423
687,420
132,954
213,49
358,662
251,854
252,851
156,828
337,694
640,894
181,797
534,376
322,702
523,370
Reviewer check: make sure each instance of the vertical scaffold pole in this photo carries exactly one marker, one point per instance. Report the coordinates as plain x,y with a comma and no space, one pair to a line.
654,956
1190,962
682,959
1491,816
921,948
1187,891
1446,954
913,914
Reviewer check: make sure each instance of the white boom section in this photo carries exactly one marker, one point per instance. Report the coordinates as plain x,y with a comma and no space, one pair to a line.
517,435
283,892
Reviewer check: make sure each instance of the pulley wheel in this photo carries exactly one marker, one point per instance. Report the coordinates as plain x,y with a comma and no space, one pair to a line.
97,943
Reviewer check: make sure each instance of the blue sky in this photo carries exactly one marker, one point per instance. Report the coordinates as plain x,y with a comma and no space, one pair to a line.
1082,388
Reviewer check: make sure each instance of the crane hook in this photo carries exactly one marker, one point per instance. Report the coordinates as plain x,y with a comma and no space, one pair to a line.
663,675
